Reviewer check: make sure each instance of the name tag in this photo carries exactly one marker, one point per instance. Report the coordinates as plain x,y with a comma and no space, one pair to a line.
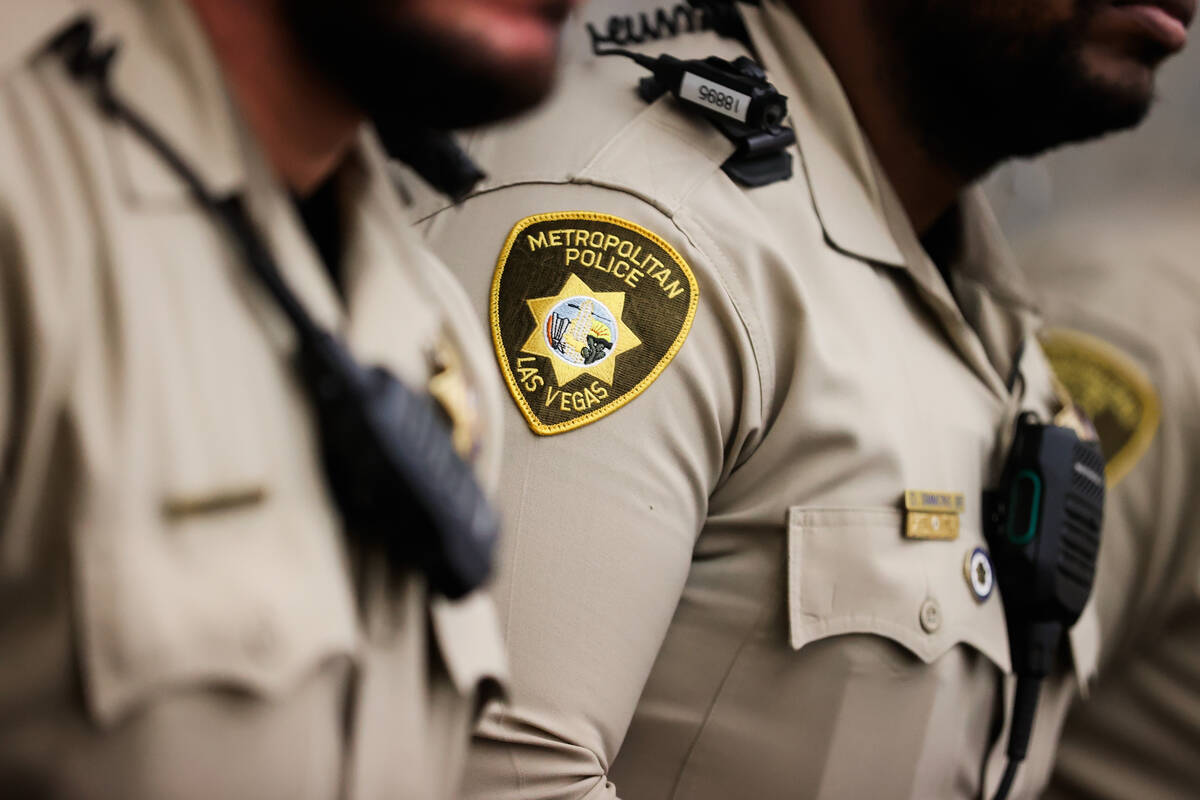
932,515
227,499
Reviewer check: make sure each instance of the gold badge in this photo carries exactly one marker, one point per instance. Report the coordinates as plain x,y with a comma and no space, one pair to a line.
932,515
586,310
450,387
1113,392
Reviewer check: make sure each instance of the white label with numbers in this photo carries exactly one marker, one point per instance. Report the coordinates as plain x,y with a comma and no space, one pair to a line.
719,98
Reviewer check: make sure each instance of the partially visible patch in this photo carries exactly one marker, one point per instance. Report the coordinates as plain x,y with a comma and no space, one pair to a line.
1113,391
587,310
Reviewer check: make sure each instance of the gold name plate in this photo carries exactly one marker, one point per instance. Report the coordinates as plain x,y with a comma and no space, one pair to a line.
932,515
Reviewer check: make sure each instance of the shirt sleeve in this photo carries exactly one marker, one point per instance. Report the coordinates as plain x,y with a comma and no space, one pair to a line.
599,521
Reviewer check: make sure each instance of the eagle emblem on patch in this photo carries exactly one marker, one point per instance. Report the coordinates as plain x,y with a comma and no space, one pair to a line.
587,310
1112,390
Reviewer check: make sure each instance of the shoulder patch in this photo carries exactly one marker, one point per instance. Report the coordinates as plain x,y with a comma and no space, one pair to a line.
1112,390
586,311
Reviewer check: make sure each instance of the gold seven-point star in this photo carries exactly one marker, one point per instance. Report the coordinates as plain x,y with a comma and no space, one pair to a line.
567,363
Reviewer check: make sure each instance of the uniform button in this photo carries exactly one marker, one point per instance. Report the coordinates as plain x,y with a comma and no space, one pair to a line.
931,616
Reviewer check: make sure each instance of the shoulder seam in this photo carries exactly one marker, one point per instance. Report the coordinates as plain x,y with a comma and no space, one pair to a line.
696,138
721,265
499,187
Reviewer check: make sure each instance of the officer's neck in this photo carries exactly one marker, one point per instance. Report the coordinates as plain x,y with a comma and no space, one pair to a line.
304,126
927,188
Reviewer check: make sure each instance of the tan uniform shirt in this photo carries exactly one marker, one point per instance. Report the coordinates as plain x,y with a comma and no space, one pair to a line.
729,545
181,615
1134,281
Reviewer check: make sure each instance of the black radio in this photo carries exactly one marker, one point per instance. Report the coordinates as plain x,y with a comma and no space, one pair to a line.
1043,528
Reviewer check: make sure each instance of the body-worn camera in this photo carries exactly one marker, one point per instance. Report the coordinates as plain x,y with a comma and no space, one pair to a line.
736,97
721,89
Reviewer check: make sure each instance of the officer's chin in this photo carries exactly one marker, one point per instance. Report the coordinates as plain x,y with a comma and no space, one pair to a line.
1108,101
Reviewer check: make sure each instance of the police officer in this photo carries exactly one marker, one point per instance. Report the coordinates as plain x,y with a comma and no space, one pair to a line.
201,251
759,387
1121,299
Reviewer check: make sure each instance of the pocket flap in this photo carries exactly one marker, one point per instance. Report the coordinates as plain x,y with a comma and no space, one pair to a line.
468,637
1084,638
248,598
852,571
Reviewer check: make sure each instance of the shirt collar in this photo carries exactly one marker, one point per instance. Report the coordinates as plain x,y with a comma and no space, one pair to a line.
985,256
166,71
857,206
842,174
29,27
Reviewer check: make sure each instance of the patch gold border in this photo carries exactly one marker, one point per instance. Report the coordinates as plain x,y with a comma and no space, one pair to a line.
502,352
1119,362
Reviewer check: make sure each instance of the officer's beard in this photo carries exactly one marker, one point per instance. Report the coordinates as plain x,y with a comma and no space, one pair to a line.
405,77
982,82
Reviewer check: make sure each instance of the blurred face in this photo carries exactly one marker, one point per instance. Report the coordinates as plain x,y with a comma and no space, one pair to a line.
989,79
434,63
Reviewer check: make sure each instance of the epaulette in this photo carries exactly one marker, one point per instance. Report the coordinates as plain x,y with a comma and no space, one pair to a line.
734,96
655,154
622,139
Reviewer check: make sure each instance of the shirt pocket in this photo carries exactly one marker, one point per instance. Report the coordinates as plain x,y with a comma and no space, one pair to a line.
467,633
206,552
251,598
851,571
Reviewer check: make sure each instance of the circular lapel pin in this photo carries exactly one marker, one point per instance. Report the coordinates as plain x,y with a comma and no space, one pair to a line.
979,573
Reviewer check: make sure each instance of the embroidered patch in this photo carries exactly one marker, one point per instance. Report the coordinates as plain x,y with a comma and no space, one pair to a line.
1112,390
586,310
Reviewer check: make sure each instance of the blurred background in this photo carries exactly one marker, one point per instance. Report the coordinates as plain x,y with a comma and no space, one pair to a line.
1162,155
